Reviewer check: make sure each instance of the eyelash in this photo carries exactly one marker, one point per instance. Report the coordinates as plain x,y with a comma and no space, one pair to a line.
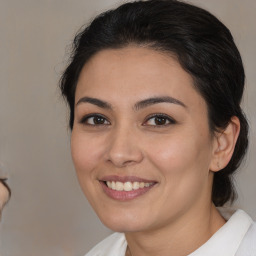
85,119
164,117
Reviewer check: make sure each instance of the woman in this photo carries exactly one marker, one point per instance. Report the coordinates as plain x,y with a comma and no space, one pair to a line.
154,90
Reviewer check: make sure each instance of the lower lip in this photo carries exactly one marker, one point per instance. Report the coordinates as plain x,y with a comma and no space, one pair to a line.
124,195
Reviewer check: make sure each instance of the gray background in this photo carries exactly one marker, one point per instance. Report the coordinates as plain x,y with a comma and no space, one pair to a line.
48,214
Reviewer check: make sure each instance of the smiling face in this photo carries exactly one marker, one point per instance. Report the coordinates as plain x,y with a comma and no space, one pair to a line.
141,143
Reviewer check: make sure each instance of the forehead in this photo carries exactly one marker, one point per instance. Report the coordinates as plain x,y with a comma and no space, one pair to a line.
135,73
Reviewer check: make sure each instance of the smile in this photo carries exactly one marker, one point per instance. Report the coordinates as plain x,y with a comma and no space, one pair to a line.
127,186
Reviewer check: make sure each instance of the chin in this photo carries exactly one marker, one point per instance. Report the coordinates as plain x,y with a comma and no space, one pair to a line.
123,222
124,227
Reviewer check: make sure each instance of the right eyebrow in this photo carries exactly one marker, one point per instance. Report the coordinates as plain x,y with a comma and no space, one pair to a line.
155,100
94,101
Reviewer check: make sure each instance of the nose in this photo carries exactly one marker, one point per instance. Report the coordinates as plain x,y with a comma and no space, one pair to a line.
123,147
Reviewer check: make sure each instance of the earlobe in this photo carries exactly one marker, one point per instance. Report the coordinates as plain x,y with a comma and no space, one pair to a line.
224,145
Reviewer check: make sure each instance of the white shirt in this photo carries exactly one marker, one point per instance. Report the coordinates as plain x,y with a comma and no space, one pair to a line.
237,237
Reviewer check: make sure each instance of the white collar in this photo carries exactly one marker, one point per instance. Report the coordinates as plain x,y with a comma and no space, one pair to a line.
228,238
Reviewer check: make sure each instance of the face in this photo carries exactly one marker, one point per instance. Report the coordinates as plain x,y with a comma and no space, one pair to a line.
141,143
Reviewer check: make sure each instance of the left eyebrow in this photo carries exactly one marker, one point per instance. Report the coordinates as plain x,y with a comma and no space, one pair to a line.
94,101
155,100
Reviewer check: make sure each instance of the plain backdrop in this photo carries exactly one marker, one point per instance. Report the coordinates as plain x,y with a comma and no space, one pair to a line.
48,214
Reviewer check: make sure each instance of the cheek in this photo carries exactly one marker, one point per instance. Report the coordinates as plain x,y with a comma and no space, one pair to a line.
184,174
169,153
182,160
85,153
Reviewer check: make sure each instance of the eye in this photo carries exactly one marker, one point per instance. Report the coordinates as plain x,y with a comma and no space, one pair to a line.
94,119
159,120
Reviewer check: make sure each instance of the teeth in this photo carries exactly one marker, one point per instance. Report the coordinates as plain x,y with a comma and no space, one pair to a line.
119,186
127,186
135,185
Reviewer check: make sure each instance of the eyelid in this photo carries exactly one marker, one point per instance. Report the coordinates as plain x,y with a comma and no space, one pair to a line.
170,119
86,117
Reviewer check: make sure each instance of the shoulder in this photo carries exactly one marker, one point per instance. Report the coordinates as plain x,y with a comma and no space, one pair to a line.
248,244
113,245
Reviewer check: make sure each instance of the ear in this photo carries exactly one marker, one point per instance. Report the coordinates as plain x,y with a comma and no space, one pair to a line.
224,145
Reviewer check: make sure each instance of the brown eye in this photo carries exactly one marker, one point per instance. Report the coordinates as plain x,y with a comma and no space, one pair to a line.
98,120
159,120
95,120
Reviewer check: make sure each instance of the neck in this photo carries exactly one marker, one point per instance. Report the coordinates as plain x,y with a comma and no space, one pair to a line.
180,238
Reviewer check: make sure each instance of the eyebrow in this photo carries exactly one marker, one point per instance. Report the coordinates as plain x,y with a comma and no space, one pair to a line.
139,105
155,100
94,101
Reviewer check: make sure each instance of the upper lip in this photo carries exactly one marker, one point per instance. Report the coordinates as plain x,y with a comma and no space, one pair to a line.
126,179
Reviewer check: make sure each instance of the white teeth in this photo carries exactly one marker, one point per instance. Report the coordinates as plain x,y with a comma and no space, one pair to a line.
127,186
113,185
119,186
135,185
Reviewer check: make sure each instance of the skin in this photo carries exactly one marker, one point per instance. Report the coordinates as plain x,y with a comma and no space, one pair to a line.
176,216
4,196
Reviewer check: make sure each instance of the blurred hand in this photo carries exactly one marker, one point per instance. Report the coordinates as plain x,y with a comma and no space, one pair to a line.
4,194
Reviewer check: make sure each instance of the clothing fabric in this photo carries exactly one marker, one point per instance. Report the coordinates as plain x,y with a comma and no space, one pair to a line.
237,237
